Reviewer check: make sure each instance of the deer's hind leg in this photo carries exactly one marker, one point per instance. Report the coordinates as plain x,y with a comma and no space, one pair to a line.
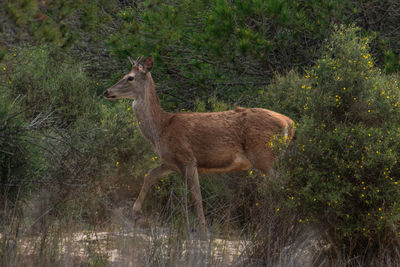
192,177
151,178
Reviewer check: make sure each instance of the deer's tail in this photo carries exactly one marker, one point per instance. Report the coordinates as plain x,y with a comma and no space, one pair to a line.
289,130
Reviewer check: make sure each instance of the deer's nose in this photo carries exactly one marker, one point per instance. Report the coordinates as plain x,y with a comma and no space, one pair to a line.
105,93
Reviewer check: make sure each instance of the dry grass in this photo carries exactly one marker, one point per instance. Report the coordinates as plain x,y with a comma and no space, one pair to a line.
39,233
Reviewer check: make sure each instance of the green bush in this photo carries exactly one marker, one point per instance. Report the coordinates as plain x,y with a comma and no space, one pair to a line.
50,81
342,169
20,162
17,169
61,23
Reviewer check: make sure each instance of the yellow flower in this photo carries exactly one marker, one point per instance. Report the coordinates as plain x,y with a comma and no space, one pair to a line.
4,68
129,108
278,209
303,86
257,203
117,163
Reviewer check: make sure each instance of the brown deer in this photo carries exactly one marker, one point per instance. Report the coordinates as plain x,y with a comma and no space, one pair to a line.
198,143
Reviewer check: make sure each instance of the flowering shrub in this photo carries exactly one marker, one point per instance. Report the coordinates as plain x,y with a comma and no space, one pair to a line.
342,170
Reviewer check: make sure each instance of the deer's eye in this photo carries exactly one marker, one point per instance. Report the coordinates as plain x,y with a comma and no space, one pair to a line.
130,78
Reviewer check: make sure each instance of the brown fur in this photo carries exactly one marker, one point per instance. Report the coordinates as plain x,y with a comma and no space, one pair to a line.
192,143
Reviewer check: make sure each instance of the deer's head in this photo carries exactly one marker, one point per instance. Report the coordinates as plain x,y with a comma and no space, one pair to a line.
134,84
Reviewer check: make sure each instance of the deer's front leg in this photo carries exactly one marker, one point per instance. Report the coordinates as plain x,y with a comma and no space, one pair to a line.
151,178
193,178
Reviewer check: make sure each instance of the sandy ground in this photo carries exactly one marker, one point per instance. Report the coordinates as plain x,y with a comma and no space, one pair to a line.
153,247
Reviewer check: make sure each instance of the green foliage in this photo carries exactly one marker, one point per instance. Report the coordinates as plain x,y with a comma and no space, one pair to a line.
342,169
56,22
206,48
50,82
16,165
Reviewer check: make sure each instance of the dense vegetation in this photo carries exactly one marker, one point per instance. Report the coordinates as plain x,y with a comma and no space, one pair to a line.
69,159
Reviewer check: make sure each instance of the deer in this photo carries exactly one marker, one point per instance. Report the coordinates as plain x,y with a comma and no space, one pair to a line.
193,143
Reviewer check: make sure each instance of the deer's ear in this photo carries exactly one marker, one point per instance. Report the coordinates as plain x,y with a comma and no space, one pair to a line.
132,61
148,63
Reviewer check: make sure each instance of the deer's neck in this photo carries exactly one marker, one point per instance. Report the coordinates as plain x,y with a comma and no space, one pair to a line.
150,115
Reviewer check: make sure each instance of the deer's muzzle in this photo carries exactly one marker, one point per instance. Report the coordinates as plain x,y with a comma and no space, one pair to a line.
107,95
